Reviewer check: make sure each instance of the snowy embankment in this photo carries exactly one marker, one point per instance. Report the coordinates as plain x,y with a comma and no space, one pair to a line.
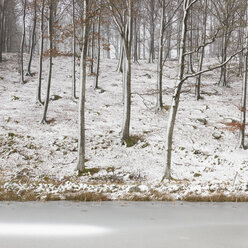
37,161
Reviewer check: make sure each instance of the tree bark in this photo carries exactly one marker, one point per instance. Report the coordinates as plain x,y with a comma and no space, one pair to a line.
81,140
244,99
202,54
41,53
98,51
23,41
125,133
177,92
160,60
29,73
51,9
74,96
2,6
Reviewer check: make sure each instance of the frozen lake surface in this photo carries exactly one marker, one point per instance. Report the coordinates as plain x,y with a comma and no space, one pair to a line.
123,225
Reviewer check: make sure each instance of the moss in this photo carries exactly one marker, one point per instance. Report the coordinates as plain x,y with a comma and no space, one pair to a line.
90,171
145,145
197,175
11,135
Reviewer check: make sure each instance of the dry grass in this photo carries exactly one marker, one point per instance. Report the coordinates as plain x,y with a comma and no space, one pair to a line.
13,196
86,196
215,198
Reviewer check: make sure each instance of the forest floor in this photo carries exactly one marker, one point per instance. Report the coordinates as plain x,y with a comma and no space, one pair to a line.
37,161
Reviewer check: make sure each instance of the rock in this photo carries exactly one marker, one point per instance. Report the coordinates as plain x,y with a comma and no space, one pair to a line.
135,189
138,189
216,135
203,121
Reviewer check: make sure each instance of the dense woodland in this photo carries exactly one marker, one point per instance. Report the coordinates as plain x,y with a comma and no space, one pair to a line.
130,31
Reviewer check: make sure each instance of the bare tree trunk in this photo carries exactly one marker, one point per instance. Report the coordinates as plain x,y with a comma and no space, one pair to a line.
74,53
144,40
23,41
223,72
41,54
120,63
81,141
244,98
135,41
98,50
108,40
1,29
92,49
177,92
33,40
51,9
198,79
160,60
125,135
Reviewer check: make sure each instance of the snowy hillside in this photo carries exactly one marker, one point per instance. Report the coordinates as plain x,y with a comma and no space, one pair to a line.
37,161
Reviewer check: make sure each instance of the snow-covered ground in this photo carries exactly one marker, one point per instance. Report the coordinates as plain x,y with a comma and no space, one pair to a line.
41,158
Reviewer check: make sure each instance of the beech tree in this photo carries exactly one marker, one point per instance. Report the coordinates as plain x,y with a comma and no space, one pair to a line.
187,5
49,78
81,118
38,96
22,43
34,5
1,28
122,12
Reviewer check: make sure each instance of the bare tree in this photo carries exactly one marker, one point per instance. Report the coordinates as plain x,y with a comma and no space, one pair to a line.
23,41
124,21
38,96
29,73
49,79
187,5
85,39
74,52
2,5
98,49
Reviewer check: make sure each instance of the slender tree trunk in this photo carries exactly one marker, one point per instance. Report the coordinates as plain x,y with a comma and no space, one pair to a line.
244,98
98,51
223,72
135,41
32,40
23,41
202,54
1,29
108,40
41,53
177,92
144,40
92,49
160,60
81,141
51,9
125,133
191,59
120,62
74,52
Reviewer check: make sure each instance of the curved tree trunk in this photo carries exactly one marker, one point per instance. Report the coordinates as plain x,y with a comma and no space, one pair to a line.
177,92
